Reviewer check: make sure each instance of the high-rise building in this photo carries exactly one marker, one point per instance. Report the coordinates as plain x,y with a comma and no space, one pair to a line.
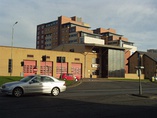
64,30
67,30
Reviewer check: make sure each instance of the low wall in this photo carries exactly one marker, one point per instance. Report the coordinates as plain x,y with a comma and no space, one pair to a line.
133,76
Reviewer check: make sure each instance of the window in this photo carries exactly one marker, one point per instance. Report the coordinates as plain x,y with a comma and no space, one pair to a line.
42,26
31,56
77,59
38,27
61,59
42,36
46,79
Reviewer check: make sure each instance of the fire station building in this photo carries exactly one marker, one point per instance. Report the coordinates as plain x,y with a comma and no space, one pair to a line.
81,60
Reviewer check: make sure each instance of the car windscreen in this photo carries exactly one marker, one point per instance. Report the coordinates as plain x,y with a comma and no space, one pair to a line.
26,79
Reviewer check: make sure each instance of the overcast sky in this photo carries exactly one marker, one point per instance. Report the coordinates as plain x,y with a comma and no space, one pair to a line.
134,19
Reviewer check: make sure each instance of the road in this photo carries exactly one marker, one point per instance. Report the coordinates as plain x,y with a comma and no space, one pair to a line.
89,99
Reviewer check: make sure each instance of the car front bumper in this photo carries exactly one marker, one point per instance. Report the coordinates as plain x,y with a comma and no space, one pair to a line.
5,91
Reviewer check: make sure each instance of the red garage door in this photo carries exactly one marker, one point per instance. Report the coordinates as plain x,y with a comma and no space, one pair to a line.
76,69
61,68
46,68
28,68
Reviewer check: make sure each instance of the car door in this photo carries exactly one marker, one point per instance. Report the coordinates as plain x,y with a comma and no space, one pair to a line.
47,84
34,86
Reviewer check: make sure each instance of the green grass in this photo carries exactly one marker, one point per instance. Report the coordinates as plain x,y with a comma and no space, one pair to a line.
4,79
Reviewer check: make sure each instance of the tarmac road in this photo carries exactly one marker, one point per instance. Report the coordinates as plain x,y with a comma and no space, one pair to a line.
92,99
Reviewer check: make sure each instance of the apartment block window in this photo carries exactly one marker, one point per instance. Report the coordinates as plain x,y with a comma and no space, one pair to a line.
42,41
42,36
72,30
38,33
37,42
38,27
43,27
42,46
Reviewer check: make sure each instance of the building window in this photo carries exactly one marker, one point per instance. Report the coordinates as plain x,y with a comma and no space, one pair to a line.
38,27
42,37
77,59
61,59
30,56
38,32
42,26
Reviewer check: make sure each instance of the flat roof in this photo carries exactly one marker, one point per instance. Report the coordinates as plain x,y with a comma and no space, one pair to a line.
111,33
105,46
76,24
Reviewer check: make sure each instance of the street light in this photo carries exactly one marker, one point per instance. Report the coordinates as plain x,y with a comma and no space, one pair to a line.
139,69
12,46
13,33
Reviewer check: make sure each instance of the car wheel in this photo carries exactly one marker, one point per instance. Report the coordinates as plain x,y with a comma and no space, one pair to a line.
17,92
55,91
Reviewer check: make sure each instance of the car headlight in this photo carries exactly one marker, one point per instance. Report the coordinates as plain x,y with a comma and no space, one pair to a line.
3,86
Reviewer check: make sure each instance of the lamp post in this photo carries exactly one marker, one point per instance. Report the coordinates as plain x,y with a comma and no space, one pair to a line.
139,71
12,47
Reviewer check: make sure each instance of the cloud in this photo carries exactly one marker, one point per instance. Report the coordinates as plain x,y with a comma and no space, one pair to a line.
134,19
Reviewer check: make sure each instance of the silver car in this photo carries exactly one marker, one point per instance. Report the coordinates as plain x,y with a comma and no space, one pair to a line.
34,84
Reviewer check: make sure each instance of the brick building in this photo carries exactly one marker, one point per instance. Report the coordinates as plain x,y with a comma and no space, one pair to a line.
98,60
61,31
147,59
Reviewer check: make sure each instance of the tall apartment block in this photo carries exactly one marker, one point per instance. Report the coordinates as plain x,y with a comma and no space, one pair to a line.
67,30
61,31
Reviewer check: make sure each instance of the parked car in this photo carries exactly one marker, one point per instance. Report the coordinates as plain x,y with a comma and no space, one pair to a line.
68,76
34,84
154,78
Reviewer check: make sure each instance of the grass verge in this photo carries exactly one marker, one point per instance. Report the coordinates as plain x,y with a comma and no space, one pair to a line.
4,79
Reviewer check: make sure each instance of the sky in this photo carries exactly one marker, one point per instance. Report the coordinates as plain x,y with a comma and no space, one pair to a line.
134,19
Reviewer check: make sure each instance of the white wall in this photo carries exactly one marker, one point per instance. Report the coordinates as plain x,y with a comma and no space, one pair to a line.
132,48
87,39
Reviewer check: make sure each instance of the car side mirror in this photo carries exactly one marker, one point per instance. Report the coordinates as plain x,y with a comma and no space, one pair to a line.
31,82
